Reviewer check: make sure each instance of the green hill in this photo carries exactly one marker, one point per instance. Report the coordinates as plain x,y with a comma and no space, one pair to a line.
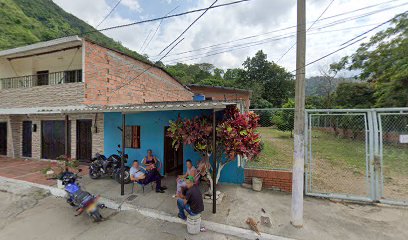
25,22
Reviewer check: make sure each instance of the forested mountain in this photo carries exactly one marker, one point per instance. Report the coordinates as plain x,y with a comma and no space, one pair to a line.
24,22
382,62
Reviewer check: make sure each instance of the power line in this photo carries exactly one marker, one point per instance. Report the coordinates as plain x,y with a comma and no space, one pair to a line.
360,36
251,44
331,53
110,12
157,29
189,26
286,28
328,6
164,17
147,69
368,31
178,37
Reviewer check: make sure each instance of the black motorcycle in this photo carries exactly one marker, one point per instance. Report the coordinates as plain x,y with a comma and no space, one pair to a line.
83,201
103,167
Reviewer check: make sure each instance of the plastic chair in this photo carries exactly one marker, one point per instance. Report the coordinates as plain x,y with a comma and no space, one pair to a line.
141,184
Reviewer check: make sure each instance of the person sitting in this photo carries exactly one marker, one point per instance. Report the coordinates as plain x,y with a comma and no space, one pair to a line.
150,161
181,180
192,202
138,174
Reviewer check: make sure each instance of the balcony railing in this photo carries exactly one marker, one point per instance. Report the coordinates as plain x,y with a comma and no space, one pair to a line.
40,79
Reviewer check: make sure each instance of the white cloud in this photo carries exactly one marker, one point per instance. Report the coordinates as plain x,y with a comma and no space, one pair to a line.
234,22
133,5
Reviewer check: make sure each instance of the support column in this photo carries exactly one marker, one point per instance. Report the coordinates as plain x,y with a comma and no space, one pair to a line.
214,173
67,152
122,159
299,127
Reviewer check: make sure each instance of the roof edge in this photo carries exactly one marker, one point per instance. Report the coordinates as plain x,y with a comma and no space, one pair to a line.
40,45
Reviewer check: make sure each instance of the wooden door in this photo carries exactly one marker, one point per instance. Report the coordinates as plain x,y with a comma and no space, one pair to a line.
173,160
3,138
52,139
27,138
84,140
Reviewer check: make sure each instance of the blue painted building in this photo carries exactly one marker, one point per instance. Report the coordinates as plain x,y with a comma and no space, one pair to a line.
152,127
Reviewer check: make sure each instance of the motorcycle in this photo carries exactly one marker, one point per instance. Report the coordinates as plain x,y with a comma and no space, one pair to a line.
102,166
82,200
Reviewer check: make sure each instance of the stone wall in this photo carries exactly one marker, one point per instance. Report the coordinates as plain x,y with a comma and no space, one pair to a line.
69,94
272,179
112,78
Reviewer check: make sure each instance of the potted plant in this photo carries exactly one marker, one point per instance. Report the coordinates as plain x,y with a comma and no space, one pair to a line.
64,164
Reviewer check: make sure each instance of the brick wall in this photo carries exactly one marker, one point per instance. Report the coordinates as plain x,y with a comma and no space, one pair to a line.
70,94
106,70
272,179
15,123
222,94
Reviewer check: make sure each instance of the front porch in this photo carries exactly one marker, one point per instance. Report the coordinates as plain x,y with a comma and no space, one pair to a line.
324,219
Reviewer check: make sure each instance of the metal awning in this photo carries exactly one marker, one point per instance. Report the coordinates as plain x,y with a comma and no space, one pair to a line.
147,107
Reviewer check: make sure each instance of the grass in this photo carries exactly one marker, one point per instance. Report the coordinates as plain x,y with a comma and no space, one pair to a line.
339,151
277,150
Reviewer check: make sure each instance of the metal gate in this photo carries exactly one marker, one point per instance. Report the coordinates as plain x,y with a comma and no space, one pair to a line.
358,154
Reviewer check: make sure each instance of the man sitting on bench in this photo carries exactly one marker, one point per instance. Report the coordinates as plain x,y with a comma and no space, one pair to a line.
138,174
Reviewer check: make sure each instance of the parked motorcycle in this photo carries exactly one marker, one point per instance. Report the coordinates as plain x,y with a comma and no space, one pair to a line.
102,167
82,200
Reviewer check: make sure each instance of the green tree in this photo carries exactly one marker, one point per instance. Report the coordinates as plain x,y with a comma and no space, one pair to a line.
284,119
383,61
269,82
355,95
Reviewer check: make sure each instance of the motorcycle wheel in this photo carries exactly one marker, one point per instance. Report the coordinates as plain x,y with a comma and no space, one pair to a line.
126,177
97,217
94,174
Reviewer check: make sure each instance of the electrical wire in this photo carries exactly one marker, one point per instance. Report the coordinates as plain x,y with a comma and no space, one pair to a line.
110,12
352,40
291,47
147,69
164,17
343,20
251,44
157,29
189,26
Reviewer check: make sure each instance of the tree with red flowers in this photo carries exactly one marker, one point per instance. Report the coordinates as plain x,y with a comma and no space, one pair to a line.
236,136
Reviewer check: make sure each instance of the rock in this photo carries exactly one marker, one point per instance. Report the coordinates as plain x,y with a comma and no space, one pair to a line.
246,185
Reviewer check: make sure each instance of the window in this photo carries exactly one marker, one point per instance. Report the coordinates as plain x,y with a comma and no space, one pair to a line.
73,76
42,78
132,136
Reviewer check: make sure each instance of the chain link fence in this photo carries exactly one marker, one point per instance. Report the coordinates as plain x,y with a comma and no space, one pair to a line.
338,154
394,152
276,129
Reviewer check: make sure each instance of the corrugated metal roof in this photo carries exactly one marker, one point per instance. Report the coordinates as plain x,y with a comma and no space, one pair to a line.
148,107
39,45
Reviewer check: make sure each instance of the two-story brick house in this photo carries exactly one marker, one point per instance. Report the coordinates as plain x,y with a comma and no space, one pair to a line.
66,97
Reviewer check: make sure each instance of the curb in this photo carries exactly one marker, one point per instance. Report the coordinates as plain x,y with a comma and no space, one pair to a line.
152,213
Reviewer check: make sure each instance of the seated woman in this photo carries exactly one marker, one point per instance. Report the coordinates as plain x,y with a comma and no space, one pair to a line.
150,161
181,180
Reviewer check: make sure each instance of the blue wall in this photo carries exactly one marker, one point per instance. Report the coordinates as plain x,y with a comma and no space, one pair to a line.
152,126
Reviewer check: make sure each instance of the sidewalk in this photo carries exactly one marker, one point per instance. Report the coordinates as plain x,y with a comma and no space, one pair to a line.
324,219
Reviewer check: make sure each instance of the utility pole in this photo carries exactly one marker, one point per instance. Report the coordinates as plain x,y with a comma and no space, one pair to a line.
299,127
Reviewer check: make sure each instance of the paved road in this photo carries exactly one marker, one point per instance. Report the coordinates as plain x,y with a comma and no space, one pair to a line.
32,214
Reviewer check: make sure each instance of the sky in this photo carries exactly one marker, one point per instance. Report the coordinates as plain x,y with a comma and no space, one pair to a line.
259,22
